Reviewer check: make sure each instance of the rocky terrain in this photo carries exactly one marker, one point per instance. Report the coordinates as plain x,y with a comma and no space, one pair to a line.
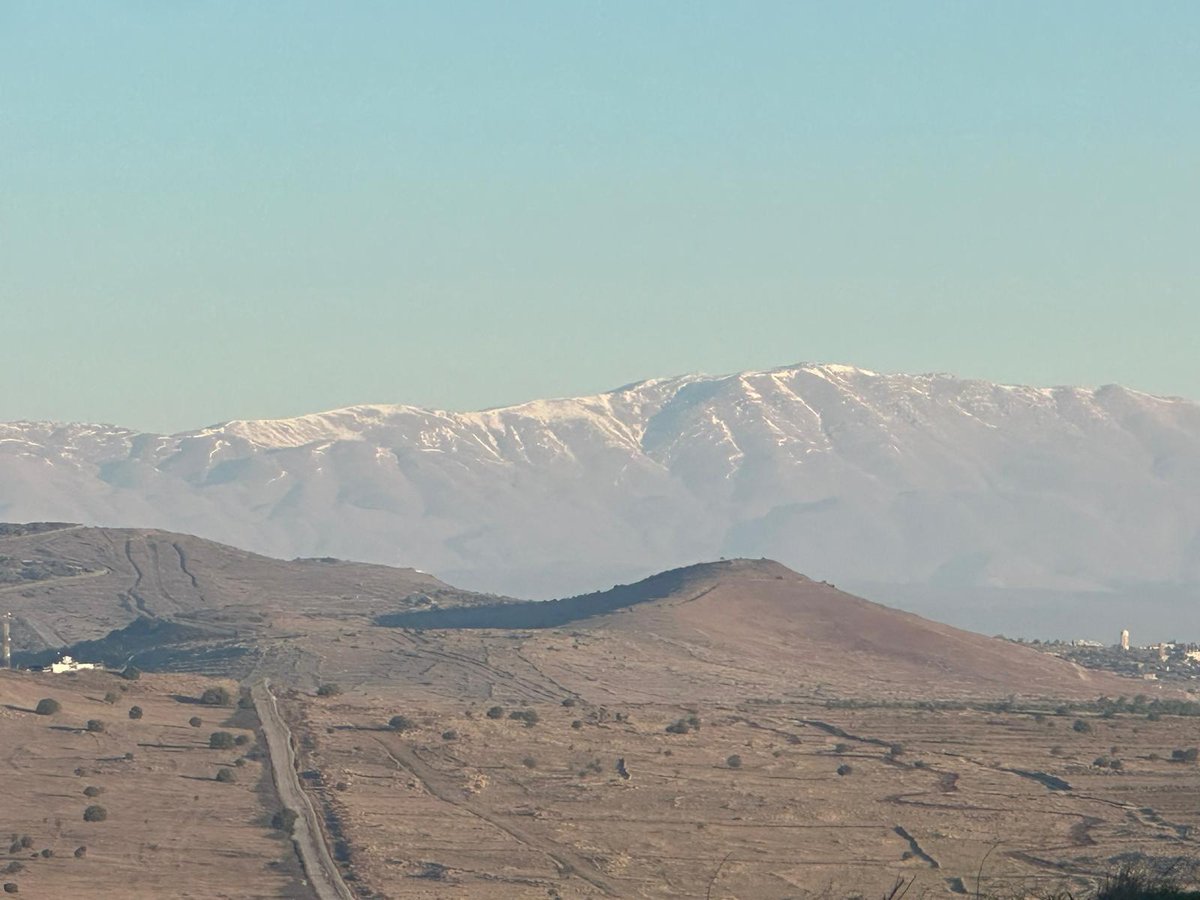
728,729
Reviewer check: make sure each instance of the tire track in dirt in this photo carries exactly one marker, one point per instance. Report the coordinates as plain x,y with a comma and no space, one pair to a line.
133,591
419,647
568,861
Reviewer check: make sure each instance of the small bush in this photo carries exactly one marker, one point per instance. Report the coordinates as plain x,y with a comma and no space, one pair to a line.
216,696
226,776
529,762
241,740
80,852
220,740
329,689
528,716
13,868
569,702
841,748
576,724
450,735
95,813
95,726
131,673
680,727
495,712
25,841
92,791
11,887
195,721
112,697
734,761
47,853
284,820
135,712
401,723
1081,727
844,769
47,706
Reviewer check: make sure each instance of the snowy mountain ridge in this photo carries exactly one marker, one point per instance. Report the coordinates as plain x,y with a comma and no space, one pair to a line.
836,471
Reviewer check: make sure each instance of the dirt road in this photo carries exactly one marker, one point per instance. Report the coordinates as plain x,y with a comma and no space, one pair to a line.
318,864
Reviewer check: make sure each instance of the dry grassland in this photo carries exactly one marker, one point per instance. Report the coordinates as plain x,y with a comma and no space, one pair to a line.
171,829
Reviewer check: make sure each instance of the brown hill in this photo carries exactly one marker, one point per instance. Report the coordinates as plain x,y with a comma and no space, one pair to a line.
746,628
64,584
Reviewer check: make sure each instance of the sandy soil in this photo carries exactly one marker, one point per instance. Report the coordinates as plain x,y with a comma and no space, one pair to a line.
171,829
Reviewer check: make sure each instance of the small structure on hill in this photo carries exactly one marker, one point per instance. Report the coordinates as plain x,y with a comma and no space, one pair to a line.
1125,639
67,664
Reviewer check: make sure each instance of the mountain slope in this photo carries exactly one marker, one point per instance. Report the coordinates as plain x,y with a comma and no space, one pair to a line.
66,584
754,628
845,473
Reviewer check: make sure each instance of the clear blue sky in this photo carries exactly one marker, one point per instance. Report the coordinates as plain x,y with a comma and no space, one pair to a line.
230,209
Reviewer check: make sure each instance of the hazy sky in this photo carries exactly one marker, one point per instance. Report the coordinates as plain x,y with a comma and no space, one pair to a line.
230,209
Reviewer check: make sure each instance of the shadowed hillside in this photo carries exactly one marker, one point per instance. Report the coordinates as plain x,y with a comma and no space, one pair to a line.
66,584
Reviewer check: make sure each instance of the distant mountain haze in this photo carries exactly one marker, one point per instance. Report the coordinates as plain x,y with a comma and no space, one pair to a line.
991,506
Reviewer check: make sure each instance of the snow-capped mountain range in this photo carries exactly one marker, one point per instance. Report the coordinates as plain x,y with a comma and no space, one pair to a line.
836,471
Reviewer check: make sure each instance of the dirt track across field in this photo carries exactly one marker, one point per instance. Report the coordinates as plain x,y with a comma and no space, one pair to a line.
322,872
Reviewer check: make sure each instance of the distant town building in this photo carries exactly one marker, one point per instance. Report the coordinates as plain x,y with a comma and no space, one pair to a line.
66,664
1125,639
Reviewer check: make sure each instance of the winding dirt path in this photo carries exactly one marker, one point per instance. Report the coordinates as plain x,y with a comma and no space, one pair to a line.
323,875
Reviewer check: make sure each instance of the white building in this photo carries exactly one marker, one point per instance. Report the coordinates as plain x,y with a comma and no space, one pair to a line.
66,664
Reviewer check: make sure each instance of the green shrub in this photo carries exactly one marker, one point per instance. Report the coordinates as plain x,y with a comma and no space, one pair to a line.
95,726
195,721
528,716
92,791
844,769
95,813
135,712
47,706
80,852
329,689
284,820
734,761
450,735
529,762
10,887
216,696
220,740
1081,727
12,868
131,673
401,723
112,697
226,776
495,712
